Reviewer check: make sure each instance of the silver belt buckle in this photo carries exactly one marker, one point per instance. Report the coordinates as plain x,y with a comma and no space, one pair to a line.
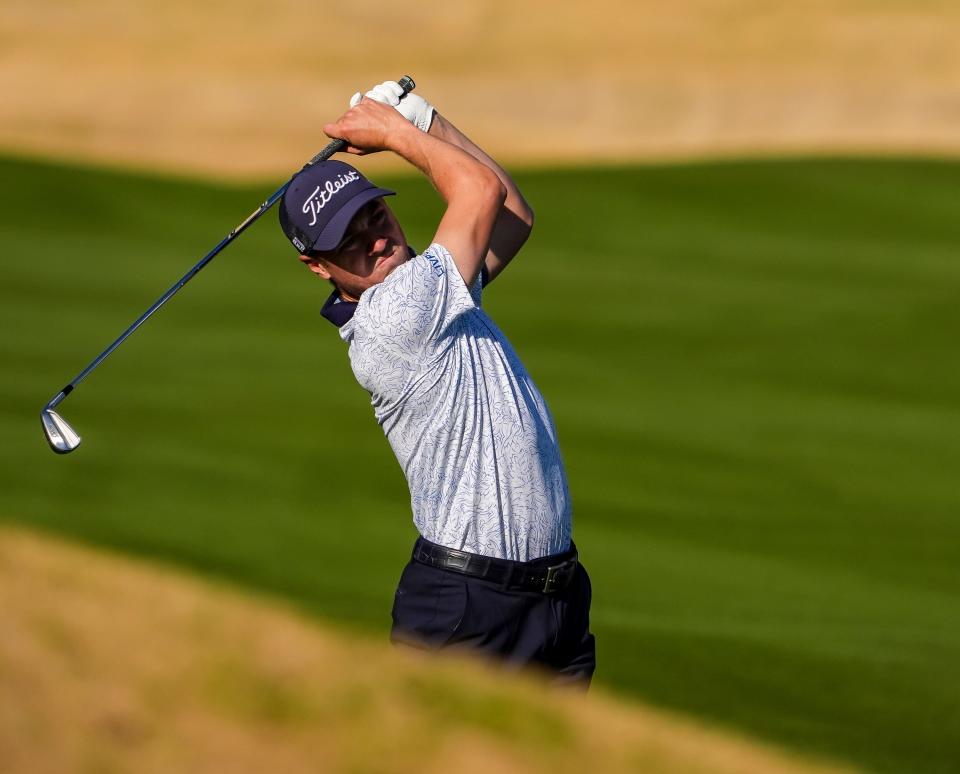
556,578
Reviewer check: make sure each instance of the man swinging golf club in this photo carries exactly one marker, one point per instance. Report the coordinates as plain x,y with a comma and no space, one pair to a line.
494,568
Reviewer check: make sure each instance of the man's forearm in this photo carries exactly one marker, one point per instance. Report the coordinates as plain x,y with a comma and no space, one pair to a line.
443,129
447,165
515,220
473,192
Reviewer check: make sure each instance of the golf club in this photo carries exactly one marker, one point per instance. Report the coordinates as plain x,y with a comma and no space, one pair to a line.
63,438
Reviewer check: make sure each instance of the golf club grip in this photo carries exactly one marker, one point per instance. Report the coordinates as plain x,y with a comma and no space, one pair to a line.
335,146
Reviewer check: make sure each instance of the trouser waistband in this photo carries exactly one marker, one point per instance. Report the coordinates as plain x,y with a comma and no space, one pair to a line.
547,574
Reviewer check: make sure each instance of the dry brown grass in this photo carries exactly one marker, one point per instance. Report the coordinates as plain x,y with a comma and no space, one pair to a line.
107,665
242,87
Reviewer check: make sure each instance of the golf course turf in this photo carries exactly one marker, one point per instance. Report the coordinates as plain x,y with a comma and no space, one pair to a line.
753,370
119,665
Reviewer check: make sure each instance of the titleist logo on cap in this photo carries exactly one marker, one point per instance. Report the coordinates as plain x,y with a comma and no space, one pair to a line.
323,194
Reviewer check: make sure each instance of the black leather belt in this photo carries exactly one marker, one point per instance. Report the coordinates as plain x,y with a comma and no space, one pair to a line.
547,575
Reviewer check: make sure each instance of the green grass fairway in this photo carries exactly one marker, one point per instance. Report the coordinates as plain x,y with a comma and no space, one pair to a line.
754,371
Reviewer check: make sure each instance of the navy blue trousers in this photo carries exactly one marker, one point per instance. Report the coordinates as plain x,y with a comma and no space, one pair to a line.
436,608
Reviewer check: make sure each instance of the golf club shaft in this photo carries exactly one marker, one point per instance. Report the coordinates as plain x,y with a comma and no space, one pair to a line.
334,146
176,287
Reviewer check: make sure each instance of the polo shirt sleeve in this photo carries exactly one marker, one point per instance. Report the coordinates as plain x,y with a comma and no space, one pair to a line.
419,302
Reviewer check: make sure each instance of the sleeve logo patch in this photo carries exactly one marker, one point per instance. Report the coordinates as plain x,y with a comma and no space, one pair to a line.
435,264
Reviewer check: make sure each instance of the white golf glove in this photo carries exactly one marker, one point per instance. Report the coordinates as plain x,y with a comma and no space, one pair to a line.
413,107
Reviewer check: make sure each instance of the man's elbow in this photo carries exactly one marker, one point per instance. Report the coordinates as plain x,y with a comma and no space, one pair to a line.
516,219
525,215
492,190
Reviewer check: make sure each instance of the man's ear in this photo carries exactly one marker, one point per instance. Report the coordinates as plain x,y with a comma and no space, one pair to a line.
316,266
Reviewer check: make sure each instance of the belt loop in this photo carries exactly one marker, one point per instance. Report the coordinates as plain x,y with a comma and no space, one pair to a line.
508,576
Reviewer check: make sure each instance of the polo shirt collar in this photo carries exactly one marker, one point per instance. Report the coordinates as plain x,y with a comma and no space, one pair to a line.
338,311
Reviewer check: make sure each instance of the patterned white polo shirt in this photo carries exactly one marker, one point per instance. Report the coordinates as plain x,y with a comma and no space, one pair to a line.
469,427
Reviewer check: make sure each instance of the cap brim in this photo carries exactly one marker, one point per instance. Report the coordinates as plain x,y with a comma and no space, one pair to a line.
332,235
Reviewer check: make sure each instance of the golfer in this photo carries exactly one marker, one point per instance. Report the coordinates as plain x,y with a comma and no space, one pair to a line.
494,569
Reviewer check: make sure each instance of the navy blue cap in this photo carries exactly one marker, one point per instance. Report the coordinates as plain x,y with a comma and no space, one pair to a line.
320,202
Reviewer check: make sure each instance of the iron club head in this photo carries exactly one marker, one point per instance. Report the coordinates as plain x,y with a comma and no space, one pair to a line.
61,437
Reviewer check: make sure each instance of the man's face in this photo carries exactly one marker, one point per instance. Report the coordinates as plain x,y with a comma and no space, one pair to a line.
373,246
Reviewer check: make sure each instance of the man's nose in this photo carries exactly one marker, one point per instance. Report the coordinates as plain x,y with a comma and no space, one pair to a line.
378,245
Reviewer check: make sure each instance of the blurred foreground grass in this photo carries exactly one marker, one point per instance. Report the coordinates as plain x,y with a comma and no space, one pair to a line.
110,666
752,367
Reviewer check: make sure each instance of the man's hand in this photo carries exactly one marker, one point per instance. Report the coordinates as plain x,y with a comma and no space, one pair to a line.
413,107
472,190
368,127
515,220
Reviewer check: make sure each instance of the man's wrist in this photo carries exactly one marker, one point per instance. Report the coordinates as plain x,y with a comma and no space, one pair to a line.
439,126
401,140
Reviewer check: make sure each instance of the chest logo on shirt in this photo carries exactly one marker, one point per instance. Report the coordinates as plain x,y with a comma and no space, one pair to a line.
435,263
323,194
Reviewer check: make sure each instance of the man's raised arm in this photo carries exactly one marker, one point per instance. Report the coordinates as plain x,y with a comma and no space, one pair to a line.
515,218
472,191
